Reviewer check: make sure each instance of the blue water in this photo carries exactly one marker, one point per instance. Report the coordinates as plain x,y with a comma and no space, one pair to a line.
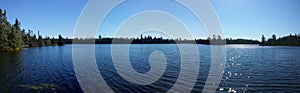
248,68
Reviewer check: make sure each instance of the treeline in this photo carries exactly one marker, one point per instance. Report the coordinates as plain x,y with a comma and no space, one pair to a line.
211,40
291,40
13,38
106,40
218,40
241,41
139,40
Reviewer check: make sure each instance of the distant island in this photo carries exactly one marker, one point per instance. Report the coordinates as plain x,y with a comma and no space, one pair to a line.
13,38
214,40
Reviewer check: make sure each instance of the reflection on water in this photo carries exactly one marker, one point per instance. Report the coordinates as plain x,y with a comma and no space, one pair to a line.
38,69
10,66
262,69
39,88
249,68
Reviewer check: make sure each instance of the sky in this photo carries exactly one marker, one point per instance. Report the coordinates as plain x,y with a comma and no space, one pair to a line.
239,18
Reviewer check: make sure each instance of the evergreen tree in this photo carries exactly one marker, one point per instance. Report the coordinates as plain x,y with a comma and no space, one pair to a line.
47,41
100,37
208,38
274,37
53,41
219,37
34,41
40,41
4,14
263,40
61,41
26,38
214,37
12,38
4,31
15,38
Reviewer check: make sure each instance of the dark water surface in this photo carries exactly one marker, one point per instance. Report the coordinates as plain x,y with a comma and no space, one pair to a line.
249,68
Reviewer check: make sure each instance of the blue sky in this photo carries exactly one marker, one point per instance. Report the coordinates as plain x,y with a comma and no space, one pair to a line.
239,18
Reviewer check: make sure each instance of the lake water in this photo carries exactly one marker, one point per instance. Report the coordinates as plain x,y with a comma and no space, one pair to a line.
248,68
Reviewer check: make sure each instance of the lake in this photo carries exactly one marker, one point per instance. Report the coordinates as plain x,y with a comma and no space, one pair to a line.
248,68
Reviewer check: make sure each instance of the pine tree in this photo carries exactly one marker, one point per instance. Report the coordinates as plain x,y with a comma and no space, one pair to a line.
274,37
53,41
16,36
47,41
263,40
61,41
4,31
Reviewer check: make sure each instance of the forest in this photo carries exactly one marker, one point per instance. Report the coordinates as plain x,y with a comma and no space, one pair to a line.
290,40
13,38
211,40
